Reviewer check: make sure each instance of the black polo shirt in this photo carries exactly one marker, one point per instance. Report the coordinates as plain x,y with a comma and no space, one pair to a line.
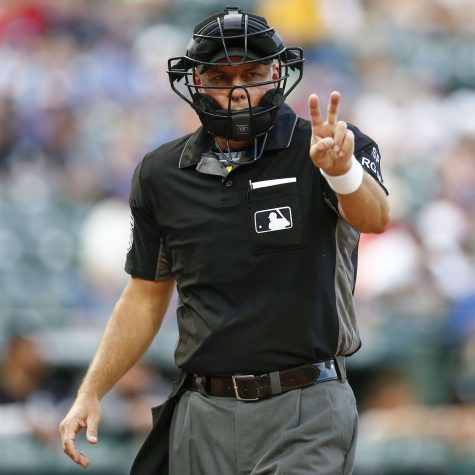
265,274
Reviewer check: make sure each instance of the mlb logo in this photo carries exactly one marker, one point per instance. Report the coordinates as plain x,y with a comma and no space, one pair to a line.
273,219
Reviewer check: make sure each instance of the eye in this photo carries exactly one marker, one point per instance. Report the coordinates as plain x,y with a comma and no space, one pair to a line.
252,75
217,78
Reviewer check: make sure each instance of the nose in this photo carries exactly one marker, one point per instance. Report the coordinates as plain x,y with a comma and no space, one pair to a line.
238,93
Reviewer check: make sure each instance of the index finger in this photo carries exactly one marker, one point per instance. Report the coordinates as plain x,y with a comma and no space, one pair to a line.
68,436
314,111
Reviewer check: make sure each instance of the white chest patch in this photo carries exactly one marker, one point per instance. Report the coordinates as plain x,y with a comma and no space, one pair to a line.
273,219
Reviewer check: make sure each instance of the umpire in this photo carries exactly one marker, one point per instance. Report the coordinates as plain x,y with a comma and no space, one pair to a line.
256,218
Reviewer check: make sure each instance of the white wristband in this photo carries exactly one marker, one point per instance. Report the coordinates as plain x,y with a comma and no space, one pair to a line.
347,183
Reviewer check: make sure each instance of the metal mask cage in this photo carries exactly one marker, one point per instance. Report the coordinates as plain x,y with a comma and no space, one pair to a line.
219,40
182,69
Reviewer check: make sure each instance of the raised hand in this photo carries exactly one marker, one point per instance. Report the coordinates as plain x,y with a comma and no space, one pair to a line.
332,143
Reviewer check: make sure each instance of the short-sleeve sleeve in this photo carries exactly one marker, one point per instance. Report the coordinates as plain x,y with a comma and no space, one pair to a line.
164,267
144,245
367,153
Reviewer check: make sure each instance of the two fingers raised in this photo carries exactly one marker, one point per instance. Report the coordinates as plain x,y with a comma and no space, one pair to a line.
316,116
331,139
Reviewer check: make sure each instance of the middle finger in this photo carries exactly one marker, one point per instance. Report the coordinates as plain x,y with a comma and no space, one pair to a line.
69,448
332,111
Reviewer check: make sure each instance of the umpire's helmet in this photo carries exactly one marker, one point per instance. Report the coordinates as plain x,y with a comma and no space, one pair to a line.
219,39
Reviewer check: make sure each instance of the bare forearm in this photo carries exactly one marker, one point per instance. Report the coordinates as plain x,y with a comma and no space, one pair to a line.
132,326
366,209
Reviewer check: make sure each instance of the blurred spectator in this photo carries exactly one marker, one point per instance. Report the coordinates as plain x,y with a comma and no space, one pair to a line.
126,410
8,130
392,411
298,21
29,393
103,240
20,20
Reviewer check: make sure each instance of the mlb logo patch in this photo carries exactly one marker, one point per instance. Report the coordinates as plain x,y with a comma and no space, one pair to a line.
273,219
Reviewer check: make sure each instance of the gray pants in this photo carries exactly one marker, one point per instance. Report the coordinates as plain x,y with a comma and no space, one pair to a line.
301,432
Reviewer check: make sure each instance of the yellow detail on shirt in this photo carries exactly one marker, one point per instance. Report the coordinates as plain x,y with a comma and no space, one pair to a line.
229,168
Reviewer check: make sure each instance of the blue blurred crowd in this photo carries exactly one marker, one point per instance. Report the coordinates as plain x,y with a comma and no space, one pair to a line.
84,95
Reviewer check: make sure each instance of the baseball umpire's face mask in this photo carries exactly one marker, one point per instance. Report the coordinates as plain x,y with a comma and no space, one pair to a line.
246,43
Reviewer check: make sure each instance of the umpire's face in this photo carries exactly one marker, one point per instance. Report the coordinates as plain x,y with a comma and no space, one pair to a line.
229,79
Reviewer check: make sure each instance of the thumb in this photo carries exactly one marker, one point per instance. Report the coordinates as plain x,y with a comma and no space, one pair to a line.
91,434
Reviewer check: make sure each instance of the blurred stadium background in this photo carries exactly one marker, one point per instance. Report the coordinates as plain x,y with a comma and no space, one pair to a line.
84,95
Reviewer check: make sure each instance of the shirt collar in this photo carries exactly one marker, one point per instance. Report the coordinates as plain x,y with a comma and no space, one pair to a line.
279,138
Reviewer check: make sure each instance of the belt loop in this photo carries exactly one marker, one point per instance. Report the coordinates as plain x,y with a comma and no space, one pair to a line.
200,382
341,367
275,387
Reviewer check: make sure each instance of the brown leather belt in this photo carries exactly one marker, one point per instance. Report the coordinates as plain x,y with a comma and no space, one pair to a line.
250,387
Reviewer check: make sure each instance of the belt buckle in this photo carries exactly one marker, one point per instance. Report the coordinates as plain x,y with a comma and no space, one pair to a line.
239,377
